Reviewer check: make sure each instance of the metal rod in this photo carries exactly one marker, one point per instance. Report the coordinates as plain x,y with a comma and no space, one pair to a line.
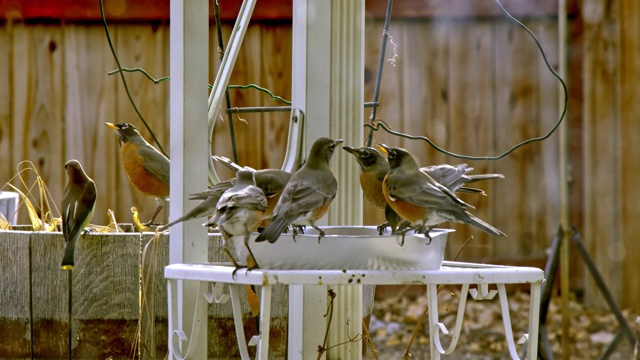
612,346
232,131
69,312
261,109
383,49
565,222
550,271
597,277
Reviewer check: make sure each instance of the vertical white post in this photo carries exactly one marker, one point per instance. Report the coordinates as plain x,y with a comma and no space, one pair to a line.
328,86
189,154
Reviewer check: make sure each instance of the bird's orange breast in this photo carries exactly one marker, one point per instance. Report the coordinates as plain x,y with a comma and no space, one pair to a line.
372,189
410,212
141,179
319,212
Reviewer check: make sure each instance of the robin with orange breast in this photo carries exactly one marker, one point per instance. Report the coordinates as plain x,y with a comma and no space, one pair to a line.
421,200
308,194
78,205
239,212
146,168
374,167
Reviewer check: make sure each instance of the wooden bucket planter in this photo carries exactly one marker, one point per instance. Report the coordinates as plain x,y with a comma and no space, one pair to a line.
106,299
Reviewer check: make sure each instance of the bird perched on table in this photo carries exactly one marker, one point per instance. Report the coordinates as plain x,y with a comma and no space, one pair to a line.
374,167
146,168
308,195
239,211
78,205
421,200
270,181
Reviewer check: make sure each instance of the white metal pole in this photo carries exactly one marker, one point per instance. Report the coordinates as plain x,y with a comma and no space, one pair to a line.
328,87
189,155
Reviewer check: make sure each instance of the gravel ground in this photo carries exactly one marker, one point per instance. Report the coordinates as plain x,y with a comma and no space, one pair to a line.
482,336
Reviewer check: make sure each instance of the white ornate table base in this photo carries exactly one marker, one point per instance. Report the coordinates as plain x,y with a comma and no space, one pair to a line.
213,277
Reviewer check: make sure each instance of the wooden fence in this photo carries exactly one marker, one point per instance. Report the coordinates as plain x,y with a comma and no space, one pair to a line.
474,85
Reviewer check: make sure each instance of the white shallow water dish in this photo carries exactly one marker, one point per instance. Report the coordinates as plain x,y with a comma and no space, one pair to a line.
347,247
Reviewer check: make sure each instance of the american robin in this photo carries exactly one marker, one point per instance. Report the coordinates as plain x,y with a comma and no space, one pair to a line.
78,204
374,167
421,200
271,181
239,212
308,194
146,168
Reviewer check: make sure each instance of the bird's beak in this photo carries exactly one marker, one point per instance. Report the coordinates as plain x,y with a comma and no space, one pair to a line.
384,148
111,126
338,141
350,150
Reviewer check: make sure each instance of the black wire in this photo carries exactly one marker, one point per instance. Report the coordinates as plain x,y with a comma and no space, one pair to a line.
378,124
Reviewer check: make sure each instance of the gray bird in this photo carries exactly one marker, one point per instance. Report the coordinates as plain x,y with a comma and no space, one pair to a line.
78,204
239,212
308,194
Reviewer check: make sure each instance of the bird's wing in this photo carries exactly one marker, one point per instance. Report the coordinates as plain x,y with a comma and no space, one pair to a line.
155,163
418,190
302,196
77,210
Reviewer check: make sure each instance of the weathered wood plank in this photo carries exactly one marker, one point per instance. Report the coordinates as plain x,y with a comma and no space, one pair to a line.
471,119
602,201
88,60
14,295
38,112
622,249
518,117
275,74
6,93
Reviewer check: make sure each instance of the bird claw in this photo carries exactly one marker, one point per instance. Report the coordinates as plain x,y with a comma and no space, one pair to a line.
238,267
381,228
297,229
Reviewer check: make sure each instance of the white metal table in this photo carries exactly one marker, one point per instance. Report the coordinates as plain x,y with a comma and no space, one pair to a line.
213,276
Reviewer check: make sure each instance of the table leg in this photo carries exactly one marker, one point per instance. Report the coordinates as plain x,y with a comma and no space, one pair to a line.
432,302
534,320
265,322
234,290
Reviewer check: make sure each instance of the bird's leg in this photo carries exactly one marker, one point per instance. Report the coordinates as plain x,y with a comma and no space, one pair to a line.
426,233
227,238
150,222
320,232
405,225
253,264
297,229
381,228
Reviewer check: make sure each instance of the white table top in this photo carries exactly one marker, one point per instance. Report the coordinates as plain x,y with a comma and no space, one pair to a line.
449,273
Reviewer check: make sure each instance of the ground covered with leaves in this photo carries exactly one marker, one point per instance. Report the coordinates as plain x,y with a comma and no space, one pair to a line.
483,336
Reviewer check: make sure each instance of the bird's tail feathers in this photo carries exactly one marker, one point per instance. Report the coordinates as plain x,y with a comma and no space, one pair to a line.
478,177
67,260
482,225
273,231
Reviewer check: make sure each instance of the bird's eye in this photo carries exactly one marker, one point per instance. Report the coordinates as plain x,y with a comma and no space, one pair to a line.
392,154
366,154
332,147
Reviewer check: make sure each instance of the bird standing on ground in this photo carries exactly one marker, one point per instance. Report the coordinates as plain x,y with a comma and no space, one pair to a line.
374,167
239,212
308,194
78,205
421,200
146,168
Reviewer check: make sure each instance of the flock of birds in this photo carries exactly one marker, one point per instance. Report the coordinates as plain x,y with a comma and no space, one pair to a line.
414,198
